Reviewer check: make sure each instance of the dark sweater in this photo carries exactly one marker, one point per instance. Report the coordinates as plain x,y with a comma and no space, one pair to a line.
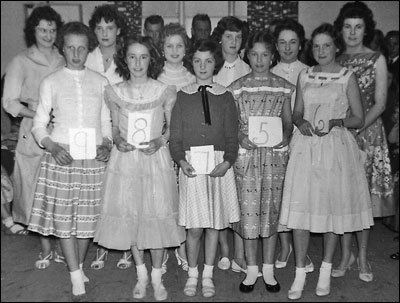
188,127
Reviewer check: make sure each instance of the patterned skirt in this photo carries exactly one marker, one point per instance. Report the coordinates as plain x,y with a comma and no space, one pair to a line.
206,202
260,174
67,198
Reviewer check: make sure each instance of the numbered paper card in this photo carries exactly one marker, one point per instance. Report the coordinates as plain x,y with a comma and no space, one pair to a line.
202,159
139,128
265,131
82,143
320,114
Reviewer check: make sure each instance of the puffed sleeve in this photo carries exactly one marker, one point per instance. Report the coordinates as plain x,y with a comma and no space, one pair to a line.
42,115
231,130
176,132
170,98
14,81
105,116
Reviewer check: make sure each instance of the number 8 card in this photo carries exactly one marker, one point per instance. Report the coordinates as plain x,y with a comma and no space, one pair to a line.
139,127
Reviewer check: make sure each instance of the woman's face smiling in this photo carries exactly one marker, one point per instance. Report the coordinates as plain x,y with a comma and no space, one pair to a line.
138,60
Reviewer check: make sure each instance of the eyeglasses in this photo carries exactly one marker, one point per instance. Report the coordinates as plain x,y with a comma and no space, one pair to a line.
46,31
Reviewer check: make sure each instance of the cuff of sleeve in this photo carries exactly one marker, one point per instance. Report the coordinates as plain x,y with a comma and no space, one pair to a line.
40,141
14,108
230,159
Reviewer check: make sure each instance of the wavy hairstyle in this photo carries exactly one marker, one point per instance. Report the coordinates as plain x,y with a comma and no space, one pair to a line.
156,62
109,13
330,30
232,24
38,14
357,9
207,45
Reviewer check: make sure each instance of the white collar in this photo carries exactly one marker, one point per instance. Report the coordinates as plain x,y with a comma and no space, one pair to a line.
216,89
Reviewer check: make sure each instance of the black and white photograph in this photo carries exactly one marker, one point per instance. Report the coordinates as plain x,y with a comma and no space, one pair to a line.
200,151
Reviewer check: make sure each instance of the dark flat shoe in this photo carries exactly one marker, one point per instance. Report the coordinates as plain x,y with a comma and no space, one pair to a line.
273,288
246,288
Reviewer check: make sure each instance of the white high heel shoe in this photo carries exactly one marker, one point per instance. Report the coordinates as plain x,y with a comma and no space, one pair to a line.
282,264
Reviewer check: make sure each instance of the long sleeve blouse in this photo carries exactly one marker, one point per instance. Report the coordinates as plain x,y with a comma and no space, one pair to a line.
23,76
188,127
76,100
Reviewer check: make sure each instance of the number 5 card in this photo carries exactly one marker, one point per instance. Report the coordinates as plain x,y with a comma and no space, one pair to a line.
139,127
265,131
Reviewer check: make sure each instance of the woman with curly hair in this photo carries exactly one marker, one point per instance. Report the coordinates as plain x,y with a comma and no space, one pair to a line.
175,44
231,33
21,97
356,25
140,195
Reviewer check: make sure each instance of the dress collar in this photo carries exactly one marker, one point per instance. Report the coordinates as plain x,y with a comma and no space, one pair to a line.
216,89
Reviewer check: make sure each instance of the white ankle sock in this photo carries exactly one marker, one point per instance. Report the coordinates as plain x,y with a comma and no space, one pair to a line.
85,278
156,275
268,274
299,279
141,272
208,271
193,272
78,286
251,277
324,275
8,222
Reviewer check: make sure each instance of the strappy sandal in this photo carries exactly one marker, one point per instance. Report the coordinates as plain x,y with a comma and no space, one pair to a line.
208,287
99,262
164,265
59,258
181,261
124,262
16,230
43,263
190,288
139,291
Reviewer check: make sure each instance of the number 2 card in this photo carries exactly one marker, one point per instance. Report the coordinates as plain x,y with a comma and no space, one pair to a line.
265,131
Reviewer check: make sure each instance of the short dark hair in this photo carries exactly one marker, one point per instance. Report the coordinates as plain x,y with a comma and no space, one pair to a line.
330,30
154,19
204,45
109,13
201,17
391,34
40,13
357,9
76,28
156,62
233,24
260,37
293,25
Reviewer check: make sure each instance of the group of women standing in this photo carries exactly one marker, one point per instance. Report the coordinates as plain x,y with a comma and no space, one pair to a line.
330,175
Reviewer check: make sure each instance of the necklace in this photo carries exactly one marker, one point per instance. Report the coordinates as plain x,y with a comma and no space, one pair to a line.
107,59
